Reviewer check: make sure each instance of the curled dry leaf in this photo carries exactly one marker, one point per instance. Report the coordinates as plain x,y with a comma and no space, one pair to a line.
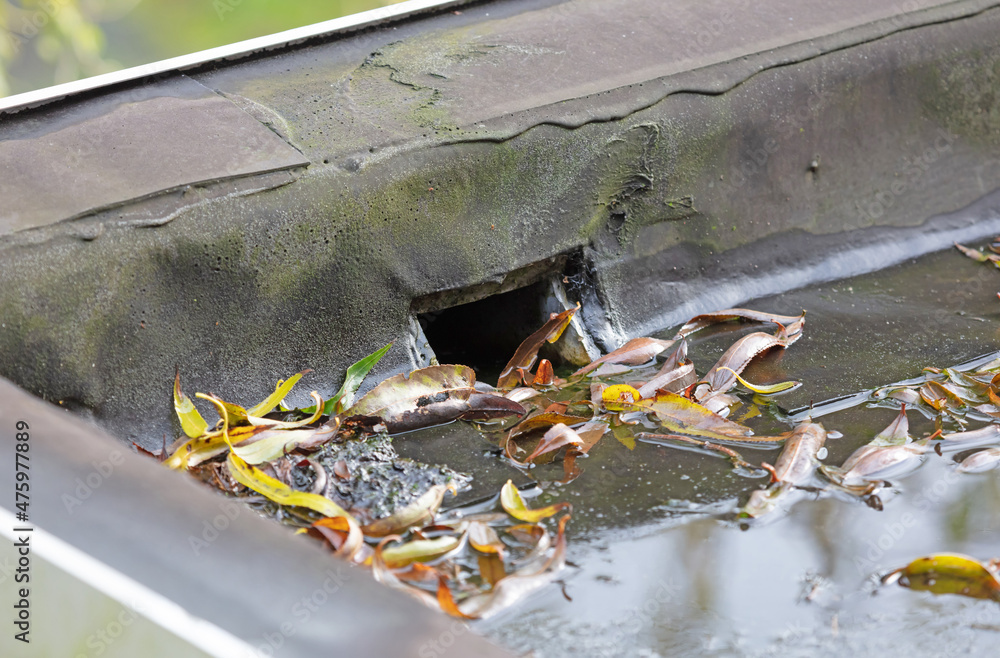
897,433
984,436
419,550
798,459
949,573
527,351
484,539
674,381
544,419
431,396
633,353
979,256
522,582
877,463
513,504
722,376
191,421
558,436
699,322
980,462
420,511
685,416
545,375
341,533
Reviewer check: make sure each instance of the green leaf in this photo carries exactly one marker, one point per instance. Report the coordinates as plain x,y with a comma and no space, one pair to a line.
352,381
419,550
191,421
280,391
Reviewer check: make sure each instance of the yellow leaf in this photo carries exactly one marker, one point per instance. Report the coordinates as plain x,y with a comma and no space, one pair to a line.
514,505
191,421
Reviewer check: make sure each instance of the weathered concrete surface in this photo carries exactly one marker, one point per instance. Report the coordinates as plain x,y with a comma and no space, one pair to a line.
652,142
280,595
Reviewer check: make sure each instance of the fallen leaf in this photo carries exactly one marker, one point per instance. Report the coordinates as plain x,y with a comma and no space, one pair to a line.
978,256
191,421
949,573
897,433
491,568
520,583
633,353
421,510
980,462
513,504
722,376
558,436
684,416
673,381
766,389
545,375
280,391
544,419
484,539
797,461
699,322
431,396
984,436
419,550
527,351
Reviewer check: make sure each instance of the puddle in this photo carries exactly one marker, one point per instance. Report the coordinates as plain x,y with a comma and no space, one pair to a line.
657,571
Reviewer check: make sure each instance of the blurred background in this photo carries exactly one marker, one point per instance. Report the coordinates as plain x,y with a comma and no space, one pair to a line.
47,42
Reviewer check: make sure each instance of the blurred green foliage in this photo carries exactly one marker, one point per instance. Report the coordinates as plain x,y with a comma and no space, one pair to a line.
45,42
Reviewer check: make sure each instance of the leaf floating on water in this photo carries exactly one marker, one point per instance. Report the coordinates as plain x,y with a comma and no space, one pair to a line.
633,353
699,322
685,416
674,380
877,463
527,351
766,389
544,419
978,256
722,376
431,396
798,459
529,578
617,396
898,432
419,511
984,436
514,505
419,550
484,539
557,437
949,573
980,462
342,533
191,420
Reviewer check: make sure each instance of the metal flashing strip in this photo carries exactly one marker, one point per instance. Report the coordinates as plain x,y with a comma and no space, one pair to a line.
158,609
232,51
